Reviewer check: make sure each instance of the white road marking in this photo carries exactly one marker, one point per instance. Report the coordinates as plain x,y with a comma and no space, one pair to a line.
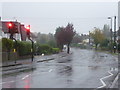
26,76
104,78
111,69
6,82
116,69
50,70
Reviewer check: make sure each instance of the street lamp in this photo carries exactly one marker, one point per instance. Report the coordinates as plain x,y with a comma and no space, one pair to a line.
115,35
111,32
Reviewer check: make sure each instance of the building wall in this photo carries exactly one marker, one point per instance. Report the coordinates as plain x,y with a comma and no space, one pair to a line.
119,22
5,30
119,14
23,33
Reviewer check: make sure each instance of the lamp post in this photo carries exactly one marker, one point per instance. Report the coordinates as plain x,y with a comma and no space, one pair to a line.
115,46
111,33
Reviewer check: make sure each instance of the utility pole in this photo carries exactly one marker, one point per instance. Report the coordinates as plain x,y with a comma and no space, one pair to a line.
114,34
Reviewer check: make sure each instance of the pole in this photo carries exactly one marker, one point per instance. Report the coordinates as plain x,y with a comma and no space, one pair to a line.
32,52
11,37
114,34
15,47
111,36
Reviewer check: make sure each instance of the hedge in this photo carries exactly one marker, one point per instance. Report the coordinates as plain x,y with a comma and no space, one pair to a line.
46,49
55,50
24,47
7,44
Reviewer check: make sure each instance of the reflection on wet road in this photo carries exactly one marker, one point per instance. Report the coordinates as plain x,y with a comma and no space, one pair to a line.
81,69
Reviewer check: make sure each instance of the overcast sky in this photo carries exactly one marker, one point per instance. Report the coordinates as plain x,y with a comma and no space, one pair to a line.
44,17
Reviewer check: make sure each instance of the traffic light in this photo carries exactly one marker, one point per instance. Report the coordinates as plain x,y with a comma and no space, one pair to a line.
28,30
10,27
13,27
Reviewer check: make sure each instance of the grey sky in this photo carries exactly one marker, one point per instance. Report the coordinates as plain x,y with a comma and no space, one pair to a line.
45,17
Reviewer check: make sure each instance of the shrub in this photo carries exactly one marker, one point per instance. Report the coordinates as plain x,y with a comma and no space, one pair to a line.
24,48
46,49
7,44
55,50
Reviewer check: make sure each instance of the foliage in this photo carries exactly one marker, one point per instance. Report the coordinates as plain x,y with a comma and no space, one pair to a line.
55,50
52,43
104,43
46,39
119,47
7,44
46,49
64,35
77,38
82,46
0,45
106,31
97,36
24,48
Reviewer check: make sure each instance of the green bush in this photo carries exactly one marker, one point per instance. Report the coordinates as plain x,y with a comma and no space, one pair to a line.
46,49
104,43
24,48
55,50
7,44
0,45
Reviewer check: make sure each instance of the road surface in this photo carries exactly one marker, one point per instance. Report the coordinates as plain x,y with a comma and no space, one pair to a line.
80,69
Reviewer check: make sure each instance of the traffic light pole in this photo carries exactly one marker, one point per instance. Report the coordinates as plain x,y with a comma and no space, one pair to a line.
11,37
15,47
32,52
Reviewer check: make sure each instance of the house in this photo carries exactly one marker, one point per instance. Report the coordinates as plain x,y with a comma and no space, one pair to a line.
21,33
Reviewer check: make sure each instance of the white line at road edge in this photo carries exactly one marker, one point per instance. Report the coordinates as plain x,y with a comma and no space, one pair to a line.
7,82
104,78
26,76
14,81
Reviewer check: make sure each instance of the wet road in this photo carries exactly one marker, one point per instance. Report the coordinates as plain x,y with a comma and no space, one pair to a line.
81,69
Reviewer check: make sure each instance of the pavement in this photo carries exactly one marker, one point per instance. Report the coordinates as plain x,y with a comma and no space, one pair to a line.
80,69
25,64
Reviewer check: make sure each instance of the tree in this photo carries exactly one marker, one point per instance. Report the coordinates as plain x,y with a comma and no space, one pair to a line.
77,39
106,31
97,36
59,37
64,35
69,31
46,39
